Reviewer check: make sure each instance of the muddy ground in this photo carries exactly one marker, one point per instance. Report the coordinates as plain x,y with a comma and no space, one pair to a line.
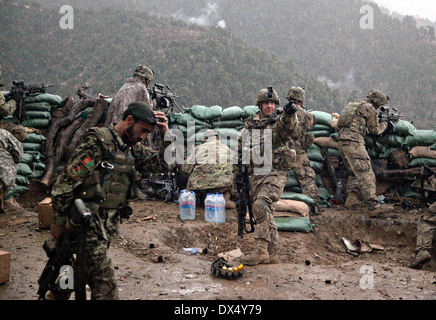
314,266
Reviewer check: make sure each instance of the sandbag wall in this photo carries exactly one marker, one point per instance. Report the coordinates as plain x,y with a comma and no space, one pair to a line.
38,110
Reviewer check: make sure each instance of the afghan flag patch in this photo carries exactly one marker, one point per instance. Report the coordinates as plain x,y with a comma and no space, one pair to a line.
87,162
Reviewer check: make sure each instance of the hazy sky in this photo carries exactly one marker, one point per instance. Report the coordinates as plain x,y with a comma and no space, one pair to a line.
423,8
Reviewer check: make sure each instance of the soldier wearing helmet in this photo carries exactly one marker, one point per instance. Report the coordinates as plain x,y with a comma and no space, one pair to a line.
303,140
355,121
134,89
267,179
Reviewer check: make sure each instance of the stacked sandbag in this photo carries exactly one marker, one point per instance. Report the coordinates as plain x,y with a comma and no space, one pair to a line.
422,146
39,110
33,154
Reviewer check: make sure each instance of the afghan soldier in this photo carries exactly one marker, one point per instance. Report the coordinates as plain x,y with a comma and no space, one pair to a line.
8,109
100,173
303,139
267,179
209,168
11,152
355,121
134,90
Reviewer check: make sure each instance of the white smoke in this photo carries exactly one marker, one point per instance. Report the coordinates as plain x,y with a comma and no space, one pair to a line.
209,17
345,85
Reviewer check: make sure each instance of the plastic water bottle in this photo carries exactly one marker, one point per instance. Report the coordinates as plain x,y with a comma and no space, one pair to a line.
209,214
183,205
191,251
221,213
191,205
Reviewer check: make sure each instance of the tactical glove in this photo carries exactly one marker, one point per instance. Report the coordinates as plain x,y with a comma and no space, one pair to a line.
290,108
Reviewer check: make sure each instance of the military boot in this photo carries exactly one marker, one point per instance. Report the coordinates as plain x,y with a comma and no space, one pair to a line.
421,258
377,209
273,251
260,255
352,201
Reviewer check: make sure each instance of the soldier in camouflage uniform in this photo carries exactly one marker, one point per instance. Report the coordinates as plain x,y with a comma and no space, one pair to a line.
355,121
303,139
100,173
8,109
212,171
135,89
11,152
267,179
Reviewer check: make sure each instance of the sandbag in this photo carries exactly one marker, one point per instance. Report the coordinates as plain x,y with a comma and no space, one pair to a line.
334,152
321,133
302,224
299,197
36,123
45,97
184,118
386,154
326,142
317,166
228,124
38,106
28,146
314,154
37,174
231,113
27,158
391,140
433,146
179,127
249,111
38,115
23,169
206,113
422,152
422,161
22,180
403,128
35,138
293,206
292,181
228,132
421,138
322,117
322,127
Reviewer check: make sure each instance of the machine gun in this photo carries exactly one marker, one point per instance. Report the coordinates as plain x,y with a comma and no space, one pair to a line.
61,254
165,99
243,203
164,186
388,114
19,92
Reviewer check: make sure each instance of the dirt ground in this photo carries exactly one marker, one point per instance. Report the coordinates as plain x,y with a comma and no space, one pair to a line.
314,266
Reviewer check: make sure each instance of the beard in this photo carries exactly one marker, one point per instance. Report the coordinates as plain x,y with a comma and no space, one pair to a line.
127,136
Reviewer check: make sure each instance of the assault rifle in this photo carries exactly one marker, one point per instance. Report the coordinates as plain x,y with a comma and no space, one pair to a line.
243,203
166,100
388,114
19,91
60,254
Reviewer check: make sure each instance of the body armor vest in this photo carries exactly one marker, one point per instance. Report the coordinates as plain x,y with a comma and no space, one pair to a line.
111,185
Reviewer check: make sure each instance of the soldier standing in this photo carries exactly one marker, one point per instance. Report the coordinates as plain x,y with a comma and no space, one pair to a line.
267,184
11,152
8,109
303,139
134,90
355,121
212,170
100,174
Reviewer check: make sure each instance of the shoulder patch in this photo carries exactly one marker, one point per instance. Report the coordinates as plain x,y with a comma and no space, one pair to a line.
81,167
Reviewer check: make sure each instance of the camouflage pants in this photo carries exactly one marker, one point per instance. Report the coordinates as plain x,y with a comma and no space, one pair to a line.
426,230
265,191
306,176
100,273
358,163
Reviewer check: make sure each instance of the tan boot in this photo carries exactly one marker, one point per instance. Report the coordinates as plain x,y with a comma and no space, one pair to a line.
273,251
421,258
260,255
352,201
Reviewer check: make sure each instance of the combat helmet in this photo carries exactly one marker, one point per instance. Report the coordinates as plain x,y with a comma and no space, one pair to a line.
296,93
143,73
377,98
265,95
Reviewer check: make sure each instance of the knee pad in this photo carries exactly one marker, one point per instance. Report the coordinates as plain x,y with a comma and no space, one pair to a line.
261,209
